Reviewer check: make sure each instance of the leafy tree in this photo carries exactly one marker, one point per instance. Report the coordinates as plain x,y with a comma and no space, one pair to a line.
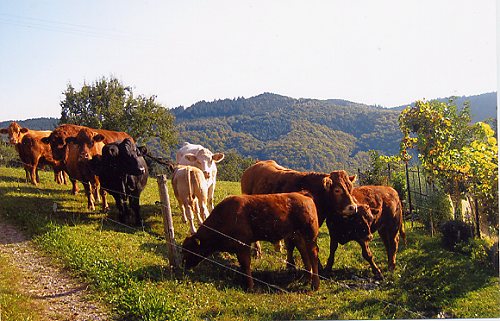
232,166
108,104
463,157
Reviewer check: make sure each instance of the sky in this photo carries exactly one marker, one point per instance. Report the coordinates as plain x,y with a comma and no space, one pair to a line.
383,52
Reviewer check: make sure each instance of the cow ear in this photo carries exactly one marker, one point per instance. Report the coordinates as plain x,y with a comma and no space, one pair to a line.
327,183
98,138
217,157
353,178
191,157
70,140
113,150
24,130
143,150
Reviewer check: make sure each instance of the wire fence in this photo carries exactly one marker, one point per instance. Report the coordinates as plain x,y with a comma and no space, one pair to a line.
269,254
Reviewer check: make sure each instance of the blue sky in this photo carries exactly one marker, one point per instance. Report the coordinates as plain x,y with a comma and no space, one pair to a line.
375,52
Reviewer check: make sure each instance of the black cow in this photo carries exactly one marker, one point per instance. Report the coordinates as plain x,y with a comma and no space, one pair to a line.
123,173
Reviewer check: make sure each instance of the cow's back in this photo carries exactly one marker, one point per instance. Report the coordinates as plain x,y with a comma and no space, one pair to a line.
266,177
384,202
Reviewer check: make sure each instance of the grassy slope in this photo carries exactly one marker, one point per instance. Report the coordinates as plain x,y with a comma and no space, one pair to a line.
129,269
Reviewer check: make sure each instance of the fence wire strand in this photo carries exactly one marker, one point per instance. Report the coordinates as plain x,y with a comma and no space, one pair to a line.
341,284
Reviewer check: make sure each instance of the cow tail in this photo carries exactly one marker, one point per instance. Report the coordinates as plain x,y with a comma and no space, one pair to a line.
191,190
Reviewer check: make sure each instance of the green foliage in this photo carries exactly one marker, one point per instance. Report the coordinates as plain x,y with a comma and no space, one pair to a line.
8,155
304,134
108,104
232,167
435,209
461,156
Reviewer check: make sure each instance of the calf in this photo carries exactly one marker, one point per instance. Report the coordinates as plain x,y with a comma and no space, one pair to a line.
204,159
355,227
386,208
238,221
123,173
190,190
331,192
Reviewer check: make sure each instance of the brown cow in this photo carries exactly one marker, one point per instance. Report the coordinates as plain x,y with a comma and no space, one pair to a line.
387,218
331,192
355,227
238,221
59,146
32,152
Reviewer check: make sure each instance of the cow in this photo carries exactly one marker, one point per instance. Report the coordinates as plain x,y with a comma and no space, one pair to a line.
59,146
238,221
387,211
355,227
331,192
123,173
32,152
191,191
204,159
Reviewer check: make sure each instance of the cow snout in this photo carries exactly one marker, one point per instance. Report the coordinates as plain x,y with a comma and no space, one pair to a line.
350,209
85,156
207,175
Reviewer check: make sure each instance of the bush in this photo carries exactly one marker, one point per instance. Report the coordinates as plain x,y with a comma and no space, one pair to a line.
455,232
436,209
8,156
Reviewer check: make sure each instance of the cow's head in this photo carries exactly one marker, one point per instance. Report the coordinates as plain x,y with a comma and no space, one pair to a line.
191,252
361,222
124,156
205,160
57,140
15,132
88,143
339,186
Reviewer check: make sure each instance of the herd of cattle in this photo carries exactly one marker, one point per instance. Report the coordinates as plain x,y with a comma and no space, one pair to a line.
276,203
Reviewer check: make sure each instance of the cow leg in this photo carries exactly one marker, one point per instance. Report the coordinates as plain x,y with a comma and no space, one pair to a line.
391,240
312,251
190,216
244,259
122,211
105,205
210,196
74,188
202,203
258,250
331,257
290,246
134,205
87,186
367,255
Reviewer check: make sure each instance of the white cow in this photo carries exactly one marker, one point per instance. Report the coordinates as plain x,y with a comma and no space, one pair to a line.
204,159
190,190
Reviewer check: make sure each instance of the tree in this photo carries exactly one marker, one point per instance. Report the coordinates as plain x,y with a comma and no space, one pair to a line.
108,104
461,156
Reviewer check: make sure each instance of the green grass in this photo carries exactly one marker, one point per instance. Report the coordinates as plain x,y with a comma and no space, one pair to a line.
14,305
128,269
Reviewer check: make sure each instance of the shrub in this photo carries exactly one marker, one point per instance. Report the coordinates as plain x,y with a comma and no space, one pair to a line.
455,232
436,209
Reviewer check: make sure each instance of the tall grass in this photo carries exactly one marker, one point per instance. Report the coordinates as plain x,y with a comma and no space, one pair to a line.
128,268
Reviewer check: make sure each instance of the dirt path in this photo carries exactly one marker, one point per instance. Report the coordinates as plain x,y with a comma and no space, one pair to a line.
61,296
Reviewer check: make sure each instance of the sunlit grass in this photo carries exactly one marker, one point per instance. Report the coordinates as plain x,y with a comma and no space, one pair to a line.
128,268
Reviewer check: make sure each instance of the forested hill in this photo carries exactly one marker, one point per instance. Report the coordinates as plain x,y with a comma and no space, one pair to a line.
305,134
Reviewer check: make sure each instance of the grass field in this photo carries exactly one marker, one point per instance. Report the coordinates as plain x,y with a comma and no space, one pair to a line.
128,268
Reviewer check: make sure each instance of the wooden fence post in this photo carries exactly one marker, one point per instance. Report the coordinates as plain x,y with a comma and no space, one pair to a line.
168,225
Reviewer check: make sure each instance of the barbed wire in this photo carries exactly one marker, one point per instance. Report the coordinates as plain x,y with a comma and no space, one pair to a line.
341,284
